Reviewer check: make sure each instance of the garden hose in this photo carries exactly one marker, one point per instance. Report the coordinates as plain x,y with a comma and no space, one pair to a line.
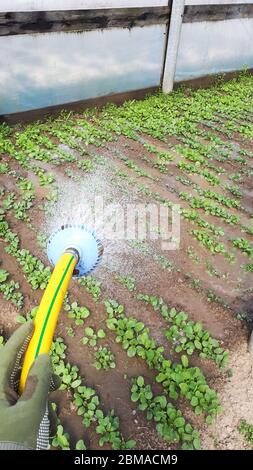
74,250
48,312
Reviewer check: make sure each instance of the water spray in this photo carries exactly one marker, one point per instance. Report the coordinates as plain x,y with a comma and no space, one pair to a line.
75,251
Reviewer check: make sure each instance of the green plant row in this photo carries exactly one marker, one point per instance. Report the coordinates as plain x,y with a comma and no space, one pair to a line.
248,267
36,273
210,208
226,201
234,190
178,379
195,169
86,400
193,216
187,335
170,423
127,281
211,243
245,246
10,289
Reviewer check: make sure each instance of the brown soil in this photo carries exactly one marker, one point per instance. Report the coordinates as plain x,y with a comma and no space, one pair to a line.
175,287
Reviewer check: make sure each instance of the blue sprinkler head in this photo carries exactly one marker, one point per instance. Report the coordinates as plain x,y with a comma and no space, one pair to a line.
79,239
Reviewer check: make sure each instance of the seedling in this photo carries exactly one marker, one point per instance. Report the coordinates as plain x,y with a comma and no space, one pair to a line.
108,428
8,202
92,285
247,430
61,440
28,316
86,401
245,246
25,184
42,240
4,168
79,314
104,359
10,289
44,179
70,332
92,337
127,281
86,165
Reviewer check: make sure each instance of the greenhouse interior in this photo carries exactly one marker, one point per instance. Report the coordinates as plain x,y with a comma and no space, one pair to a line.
126,230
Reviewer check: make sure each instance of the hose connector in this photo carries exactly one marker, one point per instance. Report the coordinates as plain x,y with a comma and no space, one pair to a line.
74,252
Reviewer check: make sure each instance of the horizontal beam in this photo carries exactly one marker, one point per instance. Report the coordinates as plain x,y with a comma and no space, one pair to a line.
199,13
81,20
47,5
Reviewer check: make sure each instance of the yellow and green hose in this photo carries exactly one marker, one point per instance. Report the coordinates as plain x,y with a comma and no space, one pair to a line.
48,312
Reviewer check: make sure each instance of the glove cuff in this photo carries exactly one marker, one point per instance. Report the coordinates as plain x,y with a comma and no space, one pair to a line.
13,446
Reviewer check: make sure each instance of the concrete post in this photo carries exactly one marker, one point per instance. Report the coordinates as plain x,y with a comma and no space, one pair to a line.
173,45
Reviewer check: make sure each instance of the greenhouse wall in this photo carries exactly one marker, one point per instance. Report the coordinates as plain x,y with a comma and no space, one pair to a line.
212,46
45,69
55,52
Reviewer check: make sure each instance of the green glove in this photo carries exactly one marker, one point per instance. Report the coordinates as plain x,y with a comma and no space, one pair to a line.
21,417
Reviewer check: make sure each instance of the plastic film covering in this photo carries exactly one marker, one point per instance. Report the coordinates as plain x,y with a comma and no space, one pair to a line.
214,47
44,70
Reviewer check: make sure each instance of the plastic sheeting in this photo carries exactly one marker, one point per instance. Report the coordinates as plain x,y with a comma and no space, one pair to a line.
56,68
213,47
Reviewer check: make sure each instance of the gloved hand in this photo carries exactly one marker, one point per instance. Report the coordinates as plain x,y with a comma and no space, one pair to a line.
24,420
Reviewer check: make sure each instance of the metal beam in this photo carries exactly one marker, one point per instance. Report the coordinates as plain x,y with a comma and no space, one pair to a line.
199,13
173,45
12,23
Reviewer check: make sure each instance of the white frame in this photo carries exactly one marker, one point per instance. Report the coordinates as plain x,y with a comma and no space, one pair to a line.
47,5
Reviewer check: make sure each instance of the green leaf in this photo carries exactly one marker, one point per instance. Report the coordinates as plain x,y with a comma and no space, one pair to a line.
20,319
101,333
131,352
185,361
194,401
135,396
198,344
198,327
76,383
183,388
89,331
198,410
148,394
160,377
140,381
3,275
179,422
209,419
80,445
196,444
130,444
162,401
